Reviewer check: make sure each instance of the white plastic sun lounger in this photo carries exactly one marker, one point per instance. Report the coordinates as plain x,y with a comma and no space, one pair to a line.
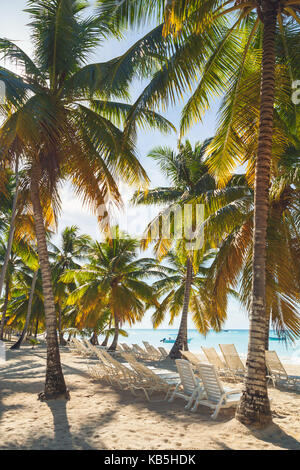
164,353
189,388
125,347
153,353
232,359
214,359
164,373
278,373
217,396
140,352
153,382
192,358
80,348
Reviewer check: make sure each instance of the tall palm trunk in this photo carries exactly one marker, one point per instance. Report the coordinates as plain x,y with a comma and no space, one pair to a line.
114,343
5,303
254,407
11,229
181,340
267,333
17,345
55,384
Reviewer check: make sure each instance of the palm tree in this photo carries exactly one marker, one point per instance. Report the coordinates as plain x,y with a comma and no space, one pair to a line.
11,229
189,177
230,226
113,280
21,254
185,290
61,119
26,307
72,250
213,40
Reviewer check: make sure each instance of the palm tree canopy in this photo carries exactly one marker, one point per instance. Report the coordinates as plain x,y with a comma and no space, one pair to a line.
72,107
206,313
217,52
113,279
188,175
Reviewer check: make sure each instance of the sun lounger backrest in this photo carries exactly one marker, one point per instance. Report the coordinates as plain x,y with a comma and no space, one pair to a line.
212,357
191,357
231,357
187,378
126,347
128,357
139,350
150,349
101,355
163,351
274,364
211,382
144,371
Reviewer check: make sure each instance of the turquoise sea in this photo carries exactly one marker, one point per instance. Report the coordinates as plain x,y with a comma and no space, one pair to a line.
288,352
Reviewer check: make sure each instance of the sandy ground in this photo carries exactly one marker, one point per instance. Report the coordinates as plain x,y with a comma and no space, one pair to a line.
100,417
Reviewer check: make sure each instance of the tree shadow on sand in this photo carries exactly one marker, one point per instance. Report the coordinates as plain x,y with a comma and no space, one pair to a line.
63,437
275,435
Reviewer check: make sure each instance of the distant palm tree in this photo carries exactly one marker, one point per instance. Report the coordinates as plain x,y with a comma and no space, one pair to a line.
26,305
113,279
189,177
22,256
72,250
185,292
61,121
10,204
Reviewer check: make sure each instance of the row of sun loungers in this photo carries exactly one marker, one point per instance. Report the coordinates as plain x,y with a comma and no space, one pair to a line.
149,353
233,367
133,375
202,386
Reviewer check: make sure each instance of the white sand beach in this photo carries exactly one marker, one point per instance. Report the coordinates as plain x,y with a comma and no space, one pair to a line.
101,417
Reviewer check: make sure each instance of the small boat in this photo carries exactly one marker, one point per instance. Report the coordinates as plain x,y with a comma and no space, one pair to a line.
172,340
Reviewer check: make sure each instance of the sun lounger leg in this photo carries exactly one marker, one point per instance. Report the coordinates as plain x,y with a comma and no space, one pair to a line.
173,394
218,407
191,400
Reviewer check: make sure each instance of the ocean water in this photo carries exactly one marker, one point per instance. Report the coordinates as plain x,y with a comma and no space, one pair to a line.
288,352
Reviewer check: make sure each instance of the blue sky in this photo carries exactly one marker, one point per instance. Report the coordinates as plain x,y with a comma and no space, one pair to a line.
13,21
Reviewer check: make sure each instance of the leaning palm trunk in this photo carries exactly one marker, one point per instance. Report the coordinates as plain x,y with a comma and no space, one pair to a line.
5,303
94,339
17,345
11,230
254,407
105,342
114,343
181,342
36,327
55,384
